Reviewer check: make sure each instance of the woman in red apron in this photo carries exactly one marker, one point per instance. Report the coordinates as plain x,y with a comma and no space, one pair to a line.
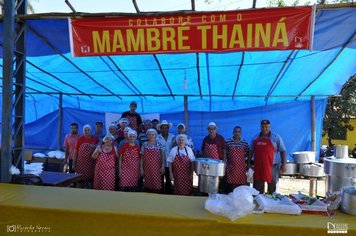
181,166
83,161
236,149
129,163
152,163
105,155
263,154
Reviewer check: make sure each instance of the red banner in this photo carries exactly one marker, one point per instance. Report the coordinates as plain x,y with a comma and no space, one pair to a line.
245,30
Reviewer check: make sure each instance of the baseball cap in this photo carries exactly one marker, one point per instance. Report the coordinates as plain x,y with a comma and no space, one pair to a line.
265,122
212,124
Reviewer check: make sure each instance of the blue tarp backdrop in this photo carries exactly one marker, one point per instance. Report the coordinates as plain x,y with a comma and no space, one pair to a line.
238,88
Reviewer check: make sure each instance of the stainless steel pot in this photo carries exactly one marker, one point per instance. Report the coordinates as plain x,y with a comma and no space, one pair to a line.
313,170
207,166
300,168
209,171
340,167
340,173
348,202
335,183
303,157
341,151
208,184
291,169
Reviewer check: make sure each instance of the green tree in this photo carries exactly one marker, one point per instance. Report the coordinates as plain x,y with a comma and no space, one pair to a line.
339,111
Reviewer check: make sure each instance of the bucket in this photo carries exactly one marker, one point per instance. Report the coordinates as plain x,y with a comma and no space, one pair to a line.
348,202
341,151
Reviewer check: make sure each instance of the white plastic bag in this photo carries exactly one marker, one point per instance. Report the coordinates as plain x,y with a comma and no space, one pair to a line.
282,206
39,155
237,204
14,171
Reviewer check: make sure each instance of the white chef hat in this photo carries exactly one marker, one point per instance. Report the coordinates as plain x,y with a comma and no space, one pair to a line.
108,136
151,131
86,126
181,124
131,131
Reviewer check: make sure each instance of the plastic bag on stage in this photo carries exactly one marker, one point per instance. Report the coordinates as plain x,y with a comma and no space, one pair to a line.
249,175
277,204
237,204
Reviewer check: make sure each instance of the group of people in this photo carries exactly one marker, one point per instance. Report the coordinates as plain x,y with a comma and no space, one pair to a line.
137,155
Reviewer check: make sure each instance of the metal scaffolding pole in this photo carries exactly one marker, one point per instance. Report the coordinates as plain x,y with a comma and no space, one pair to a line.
60,122
13,89
313,130
186,114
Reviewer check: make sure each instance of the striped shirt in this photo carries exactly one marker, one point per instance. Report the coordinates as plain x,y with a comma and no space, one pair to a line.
242,143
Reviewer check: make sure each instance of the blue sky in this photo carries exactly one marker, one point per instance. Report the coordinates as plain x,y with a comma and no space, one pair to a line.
91,6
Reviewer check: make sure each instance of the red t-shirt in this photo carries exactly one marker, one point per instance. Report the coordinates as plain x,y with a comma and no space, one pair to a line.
69,143
127,146
92,140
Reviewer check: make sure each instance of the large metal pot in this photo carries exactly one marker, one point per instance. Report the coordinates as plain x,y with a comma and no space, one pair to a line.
313,170
303,157
340,173
340,167
207,166
341,151
209,171
208,184
291,169
348,202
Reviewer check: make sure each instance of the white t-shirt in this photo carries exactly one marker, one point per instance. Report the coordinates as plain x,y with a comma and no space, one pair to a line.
167,144
183,152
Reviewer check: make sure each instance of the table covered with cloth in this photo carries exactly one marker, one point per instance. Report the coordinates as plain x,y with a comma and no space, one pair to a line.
70,211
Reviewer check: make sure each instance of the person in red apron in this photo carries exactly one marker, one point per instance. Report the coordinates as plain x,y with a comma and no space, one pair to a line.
123,123
113,131
105,156
83,161
265,148
152,164
180,160
214,147
135,121
214,144
237,150
129,163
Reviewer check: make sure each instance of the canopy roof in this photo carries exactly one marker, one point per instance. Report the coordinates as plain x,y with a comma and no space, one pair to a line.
213,81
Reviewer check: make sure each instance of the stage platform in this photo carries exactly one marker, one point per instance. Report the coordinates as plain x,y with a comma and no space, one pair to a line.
71,211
